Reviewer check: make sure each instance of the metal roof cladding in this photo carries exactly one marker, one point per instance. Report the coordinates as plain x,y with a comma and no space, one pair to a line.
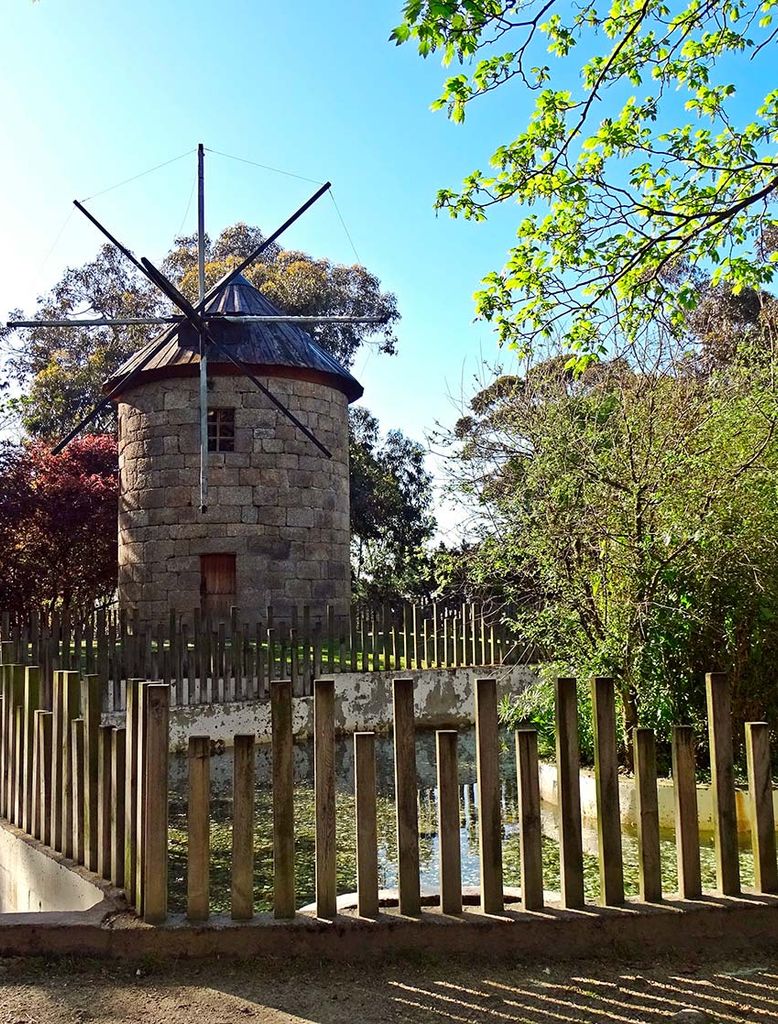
273,349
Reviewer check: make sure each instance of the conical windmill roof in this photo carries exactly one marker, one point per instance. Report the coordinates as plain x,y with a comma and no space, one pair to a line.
270,349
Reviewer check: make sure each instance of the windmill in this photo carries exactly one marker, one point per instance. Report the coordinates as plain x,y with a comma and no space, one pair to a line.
277,529
200,319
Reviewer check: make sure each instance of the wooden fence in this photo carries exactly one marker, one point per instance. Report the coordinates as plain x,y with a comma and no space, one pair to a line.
209,663
101,794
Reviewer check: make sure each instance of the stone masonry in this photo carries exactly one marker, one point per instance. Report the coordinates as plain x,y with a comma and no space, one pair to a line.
276,502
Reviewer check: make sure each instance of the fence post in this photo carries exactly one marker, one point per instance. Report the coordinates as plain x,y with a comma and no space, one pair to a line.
242,898
488,777
91,707
31,705
198,829
760,793
14,750
76,795
607,787
71,709
105,737
17,772
531,837
142,784
687,833
283,797
406,797
448,822
118,812
722,772
324,783
42,815
155,831
5,685
644,746
132,726
366,830
568,765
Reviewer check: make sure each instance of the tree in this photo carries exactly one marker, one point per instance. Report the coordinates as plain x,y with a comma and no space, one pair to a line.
636,160
390,511
633,510
62,370
58,544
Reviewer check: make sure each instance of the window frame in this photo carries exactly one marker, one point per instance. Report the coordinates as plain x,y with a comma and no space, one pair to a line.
221,429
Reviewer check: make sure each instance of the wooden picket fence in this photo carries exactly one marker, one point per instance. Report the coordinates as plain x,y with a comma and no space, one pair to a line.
100,795
206,662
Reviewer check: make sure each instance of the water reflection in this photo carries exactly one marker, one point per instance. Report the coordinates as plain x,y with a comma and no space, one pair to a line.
221,772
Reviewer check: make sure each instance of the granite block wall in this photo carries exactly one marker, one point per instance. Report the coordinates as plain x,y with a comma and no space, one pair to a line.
276,502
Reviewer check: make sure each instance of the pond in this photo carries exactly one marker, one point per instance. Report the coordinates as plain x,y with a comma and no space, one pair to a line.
221,812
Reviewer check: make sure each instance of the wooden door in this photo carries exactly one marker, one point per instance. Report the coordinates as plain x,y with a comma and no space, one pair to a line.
217,585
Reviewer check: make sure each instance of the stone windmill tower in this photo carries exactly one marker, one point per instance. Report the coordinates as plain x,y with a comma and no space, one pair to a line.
238,394
276,528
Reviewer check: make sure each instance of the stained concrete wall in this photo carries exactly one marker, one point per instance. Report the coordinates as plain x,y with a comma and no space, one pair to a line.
276,502
36,879
443,698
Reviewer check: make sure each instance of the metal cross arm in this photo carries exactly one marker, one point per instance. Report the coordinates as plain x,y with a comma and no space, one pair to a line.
130,377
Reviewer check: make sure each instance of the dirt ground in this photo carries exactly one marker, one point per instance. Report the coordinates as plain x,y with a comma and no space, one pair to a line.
36,991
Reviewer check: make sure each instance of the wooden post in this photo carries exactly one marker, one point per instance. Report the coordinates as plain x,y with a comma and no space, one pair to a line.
448,822
13,780
142,782
155,832
687,834
488,776
644,746
105,735
406,797
243,829
367,830
5,687
91,708
198,820
118,812
283,798
131,791
723,783
531,838
324,782
31,705
77,789
42,818
17,770
607,788
71,707
569,787
760,794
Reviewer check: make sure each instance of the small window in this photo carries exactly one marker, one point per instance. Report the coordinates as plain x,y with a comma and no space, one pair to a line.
221,430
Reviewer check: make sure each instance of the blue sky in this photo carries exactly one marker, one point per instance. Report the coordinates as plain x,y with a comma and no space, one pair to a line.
94,92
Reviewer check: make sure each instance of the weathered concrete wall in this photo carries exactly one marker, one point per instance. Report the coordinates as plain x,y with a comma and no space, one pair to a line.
276,502
34,878
443,699
628,800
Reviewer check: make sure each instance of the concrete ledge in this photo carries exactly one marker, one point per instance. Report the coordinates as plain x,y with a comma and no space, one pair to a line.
634,929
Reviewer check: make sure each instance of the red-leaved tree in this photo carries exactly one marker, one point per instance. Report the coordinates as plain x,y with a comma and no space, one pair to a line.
58,544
